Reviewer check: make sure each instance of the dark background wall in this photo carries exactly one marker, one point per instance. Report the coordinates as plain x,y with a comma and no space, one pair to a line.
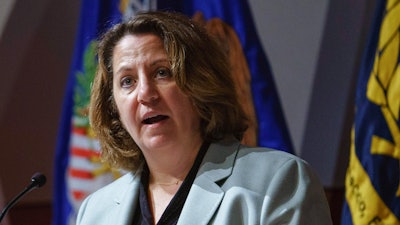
314,48
36,45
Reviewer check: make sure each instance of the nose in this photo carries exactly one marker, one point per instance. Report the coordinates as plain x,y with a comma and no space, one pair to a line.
147,91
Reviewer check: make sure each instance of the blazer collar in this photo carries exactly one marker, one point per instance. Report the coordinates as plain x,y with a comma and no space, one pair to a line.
126,200
206,194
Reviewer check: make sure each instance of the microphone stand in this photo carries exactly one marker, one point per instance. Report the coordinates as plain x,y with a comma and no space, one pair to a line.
38,180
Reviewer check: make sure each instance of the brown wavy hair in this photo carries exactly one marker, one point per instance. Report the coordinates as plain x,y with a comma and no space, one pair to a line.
200,68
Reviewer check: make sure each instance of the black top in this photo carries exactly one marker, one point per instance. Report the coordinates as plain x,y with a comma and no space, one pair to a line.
143,215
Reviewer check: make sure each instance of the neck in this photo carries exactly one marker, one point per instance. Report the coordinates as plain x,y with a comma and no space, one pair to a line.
171,167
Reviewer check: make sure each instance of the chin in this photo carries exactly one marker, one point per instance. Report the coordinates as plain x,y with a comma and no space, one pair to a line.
157,143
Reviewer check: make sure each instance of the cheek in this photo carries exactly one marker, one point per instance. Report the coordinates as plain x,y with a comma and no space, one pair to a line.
125,110
128,122
187,110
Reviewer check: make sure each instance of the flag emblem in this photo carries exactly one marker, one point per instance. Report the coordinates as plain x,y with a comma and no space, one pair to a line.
85,173
372,179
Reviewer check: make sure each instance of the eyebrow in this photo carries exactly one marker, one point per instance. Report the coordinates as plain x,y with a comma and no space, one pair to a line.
162,60
123,68
155,62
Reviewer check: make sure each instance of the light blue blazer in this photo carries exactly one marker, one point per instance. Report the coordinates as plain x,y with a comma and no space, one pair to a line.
235,184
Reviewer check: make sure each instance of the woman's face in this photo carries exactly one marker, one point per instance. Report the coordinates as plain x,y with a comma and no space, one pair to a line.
155,112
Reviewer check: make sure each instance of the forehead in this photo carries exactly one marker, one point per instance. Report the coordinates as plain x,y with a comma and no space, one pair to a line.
138,42
134,49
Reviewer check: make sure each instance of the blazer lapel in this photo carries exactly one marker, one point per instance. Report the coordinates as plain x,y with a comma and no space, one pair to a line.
206,195
126,201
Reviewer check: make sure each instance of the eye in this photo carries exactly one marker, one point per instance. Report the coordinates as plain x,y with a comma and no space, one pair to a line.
163,73
127,82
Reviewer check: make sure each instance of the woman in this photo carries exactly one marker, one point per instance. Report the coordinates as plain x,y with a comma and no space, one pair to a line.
164,109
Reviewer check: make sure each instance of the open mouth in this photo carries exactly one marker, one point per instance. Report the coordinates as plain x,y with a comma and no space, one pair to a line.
154,119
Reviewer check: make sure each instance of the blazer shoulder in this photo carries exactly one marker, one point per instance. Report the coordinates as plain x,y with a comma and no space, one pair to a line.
268,166
268,155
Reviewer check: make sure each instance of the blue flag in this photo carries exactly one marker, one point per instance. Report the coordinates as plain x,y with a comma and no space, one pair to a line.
77,150
272,130
373,174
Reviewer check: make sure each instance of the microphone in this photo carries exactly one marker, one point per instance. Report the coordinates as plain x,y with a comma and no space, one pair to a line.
38,180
